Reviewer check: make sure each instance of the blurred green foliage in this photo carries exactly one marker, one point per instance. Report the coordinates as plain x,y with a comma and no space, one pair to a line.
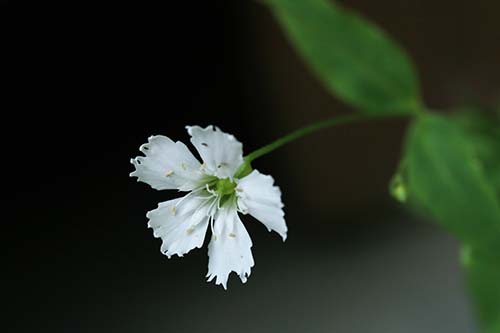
445,178
356,60
451,164
483,276
494,328
482,127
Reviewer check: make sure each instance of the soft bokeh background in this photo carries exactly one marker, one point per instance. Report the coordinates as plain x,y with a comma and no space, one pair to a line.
101,82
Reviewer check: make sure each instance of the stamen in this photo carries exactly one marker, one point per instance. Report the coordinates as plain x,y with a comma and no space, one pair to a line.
232,235
169,173
213,192
196,190
173,210
211,218
218,202
183,165
190,230
212,206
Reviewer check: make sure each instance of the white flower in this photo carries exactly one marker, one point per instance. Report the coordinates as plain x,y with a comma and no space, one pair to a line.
215,197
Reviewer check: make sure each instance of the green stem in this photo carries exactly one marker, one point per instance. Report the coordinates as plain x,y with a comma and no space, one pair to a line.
297,134
246,168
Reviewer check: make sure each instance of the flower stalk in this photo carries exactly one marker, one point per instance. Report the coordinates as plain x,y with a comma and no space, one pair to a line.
246,168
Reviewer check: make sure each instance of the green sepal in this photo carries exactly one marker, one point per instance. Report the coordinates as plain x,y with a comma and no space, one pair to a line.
244,170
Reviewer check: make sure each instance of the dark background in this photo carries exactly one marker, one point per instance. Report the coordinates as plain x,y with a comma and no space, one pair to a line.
90,85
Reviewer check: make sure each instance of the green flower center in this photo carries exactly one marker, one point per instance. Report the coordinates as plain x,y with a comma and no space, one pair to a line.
224,187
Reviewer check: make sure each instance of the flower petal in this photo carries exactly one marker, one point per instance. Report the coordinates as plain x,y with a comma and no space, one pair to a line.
181,223
258,196
221,152
230,248
167,165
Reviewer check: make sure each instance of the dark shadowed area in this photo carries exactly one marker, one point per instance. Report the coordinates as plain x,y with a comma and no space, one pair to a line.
95,85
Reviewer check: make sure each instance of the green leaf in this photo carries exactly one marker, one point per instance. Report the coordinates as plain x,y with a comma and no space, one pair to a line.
483,272
445,178
482,130
495,328
357,61
482,127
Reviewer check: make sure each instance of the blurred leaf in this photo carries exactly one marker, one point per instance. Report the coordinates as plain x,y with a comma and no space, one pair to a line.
357,61
482,128
495,328
445,178
483,272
